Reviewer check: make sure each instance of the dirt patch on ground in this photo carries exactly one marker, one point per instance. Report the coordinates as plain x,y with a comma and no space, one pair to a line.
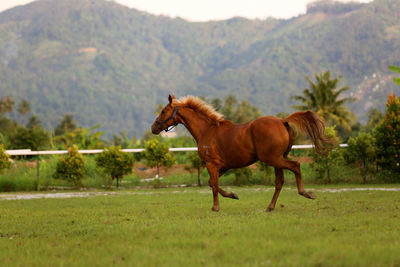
144,171
26,196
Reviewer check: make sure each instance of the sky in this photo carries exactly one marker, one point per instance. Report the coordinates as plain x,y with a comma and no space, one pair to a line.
204,10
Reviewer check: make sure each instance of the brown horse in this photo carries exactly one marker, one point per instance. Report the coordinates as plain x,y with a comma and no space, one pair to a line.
224,145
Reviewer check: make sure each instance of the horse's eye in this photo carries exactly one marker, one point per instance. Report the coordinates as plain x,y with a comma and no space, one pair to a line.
162,112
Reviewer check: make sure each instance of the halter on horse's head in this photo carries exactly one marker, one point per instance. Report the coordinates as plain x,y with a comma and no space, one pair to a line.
167,118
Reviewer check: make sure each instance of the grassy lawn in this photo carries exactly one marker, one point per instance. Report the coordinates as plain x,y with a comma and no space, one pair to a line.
175,227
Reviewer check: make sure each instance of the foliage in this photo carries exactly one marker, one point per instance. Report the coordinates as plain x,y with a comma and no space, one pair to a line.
156,154
387,136
82,137
375,116
242,175
115,162
196,163
323,164
123,141
66,125
4,159
103,59
324,98
395,69
71,167
267,172
234,111
6,105
361,149
35,138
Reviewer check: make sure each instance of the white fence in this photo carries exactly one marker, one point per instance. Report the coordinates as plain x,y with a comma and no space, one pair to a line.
28,152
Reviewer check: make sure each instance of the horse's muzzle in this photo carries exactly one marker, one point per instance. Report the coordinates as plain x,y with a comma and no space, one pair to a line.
156,128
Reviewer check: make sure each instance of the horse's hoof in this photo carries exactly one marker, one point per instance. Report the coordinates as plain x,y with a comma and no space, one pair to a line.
234,196
215,208
310,195
269,209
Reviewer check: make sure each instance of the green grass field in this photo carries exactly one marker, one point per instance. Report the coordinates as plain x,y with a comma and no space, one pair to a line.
175,227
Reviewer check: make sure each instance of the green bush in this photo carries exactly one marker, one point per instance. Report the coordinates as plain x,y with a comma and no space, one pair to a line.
195,162
71,167
157,155
115,163
323,164
361,150
35,138
4,159
387,136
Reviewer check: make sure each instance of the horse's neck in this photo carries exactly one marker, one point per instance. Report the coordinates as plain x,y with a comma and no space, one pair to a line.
195,123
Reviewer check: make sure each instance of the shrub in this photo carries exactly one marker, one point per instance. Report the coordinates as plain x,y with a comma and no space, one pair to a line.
4,159
324,163
387,136
35,138
361,149
71,167
242,176
115,162
157,155
196,163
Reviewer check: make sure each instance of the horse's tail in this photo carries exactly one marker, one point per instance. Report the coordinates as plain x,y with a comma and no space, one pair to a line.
310,123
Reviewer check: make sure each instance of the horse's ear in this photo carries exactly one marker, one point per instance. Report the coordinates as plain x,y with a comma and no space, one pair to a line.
170,98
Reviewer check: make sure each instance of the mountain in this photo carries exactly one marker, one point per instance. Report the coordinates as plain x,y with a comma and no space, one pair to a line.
107,64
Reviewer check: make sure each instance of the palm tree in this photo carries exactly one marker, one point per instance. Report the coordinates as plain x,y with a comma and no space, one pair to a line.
324,98
24,107
6,105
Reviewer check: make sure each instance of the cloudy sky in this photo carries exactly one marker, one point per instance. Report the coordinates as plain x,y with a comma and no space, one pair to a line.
203,10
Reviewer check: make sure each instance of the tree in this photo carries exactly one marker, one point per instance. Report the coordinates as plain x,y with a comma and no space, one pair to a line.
67,124
245,112
24,107
33,122
115,162
323,164
71,167
375,116
157,155
196,163
35,138
238,112
4,159
324,98
6,105
82,137
387,135
361,149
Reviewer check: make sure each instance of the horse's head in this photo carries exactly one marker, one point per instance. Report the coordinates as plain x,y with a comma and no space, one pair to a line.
167,117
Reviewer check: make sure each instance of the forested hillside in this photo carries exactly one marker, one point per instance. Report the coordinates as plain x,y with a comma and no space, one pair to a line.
110,65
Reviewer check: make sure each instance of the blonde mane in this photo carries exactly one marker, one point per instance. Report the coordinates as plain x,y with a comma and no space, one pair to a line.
200,106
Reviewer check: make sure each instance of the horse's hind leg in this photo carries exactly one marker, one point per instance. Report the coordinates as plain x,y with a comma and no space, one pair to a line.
294,166
279,180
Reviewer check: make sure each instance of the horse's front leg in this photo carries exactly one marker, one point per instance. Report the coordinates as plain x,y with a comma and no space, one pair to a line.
222,191
213,182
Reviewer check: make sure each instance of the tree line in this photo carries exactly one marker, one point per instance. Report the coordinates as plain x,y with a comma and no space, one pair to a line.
373,146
